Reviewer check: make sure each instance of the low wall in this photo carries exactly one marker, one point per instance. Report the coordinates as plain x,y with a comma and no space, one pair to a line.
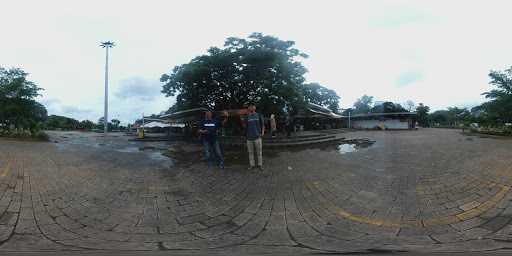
392,124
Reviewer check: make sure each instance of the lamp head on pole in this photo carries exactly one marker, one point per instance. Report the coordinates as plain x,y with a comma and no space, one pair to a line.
107,44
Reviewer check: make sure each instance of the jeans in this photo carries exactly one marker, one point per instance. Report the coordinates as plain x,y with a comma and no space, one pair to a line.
255,145
216,149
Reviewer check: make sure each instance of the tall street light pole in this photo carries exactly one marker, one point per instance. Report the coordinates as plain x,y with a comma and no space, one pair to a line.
348,110
106,45
349,119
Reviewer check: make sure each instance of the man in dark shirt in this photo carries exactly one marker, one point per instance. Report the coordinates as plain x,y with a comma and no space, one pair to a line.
255,129
208,129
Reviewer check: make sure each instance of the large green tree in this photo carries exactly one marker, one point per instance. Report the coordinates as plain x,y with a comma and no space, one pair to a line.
499,107
422,115
363,105
17,100
260,69
440,117
320,95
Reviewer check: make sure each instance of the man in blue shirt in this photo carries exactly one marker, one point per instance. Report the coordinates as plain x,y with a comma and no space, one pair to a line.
209,129
255,129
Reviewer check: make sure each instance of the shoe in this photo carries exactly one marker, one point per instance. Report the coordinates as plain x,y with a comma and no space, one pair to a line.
261,168
250,168
221,165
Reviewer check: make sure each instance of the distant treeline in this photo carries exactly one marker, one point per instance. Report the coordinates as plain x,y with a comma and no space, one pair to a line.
55,122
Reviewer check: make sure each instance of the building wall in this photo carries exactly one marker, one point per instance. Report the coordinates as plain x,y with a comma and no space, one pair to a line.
390,124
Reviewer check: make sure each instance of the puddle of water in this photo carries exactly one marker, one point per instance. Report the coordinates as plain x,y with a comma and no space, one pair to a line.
353,145
158,156
346,148
164,160
128,150
142,148
60,146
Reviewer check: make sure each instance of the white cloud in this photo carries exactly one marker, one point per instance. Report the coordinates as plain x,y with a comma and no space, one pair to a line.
138,88
409,78
355,47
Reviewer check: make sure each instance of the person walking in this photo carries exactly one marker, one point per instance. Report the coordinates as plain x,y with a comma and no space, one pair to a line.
209,129
273,125
255,129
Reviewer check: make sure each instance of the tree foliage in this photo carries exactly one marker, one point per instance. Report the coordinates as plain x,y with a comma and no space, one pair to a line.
422,113
61,122
320,95
115,123
86,125
363,105
453,116
101,124
261,69
499,107
17,100
388,107
409,105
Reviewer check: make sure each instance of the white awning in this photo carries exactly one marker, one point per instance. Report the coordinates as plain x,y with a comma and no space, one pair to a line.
156,124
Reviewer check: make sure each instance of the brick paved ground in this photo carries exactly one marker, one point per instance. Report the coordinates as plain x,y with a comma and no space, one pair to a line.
426,190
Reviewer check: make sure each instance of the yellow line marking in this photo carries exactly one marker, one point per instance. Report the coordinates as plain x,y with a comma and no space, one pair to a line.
6,170
487,205
442,220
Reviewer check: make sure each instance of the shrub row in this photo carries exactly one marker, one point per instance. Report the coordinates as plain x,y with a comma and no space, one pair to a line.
24,134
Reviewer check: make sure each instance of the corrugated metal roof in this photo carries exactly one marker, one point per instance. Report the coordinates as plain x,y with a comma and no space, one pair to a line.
384,114
398,115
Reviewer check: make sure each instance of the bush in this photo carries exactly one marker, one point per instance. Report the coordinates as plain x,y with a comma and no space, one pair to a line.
24,134
500,131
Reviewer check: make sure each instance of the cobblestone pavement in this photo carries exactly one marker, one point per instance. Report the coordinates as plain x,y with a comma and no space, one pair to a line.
430,190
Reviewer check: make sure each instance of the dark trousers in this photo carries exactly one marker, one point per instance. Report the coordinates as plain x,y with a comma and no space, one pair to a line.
289,129
215,146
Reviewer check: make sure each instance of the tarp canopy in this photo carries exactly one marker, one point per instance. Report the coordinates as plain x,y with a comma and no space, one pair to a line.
316,111
184,114
156,124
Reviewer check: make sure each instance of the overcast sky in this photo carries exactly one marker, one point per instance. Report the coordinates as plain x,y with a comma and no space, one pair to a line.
435,52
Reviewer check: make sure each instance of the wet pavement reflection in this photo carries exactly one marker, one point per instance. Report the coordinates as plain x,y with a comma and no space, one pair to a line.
172,153
114,142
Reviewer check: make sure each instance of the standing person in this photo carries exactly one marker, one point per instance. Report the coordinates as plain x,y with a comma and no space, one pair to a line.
273,125
209,129
288,125
255,129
